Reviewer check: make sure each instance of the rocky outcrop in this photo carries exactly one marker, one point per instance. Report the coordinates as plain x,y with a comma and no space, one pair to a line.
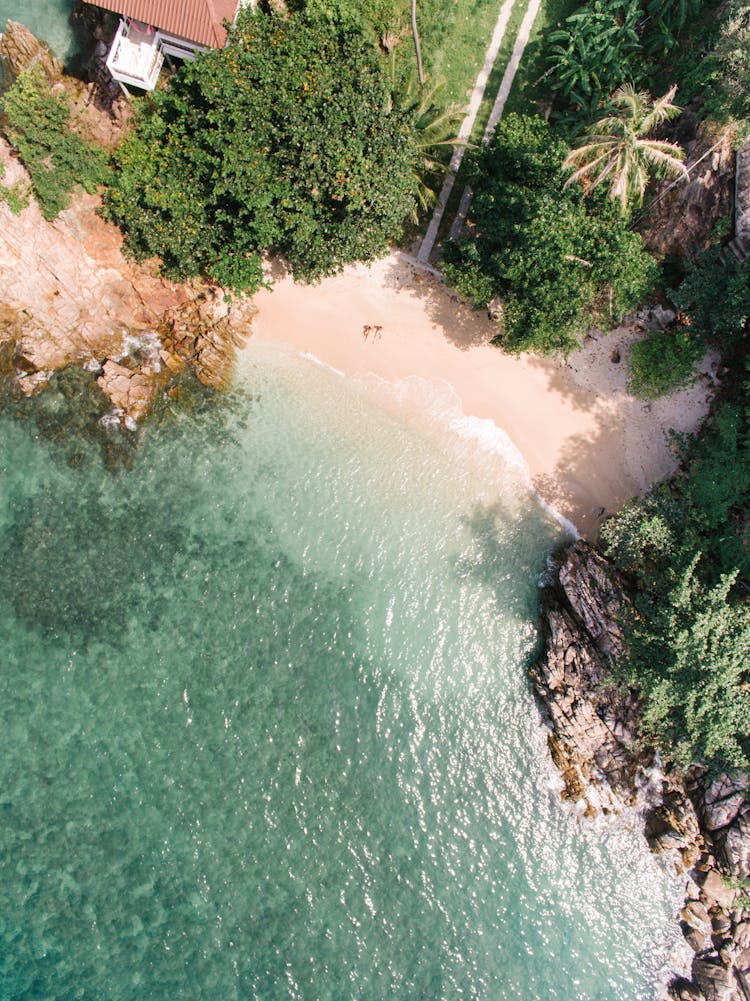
20,50
716,917
591,723
70,297
702,822
681,220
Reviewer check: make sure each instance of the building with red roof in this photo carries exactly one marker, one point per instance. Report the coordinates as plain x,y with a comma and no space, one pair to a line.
152,30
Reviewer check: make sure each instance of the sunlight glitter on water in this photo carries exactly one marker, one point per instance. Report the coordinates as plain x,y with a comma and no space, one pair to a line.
266,726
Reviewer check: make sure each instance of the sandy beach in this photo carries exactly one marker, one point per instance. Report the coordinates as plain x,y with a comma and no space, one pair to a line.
589,445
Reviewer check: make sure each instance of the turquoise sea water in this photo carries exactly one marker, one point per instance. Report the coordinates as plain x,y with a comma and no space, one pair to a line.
265,726
48,19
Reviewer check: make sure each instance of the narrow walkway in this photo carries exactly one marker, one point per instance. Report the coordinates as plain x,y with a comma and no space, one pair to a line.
466,129
498,107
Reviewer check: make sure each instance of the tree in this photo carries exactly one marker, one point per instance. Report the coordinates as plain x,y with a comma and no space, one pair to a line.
685,549
596,50
433,126
617,149
716,296
417,46
559,263
689,660
284,141
732,53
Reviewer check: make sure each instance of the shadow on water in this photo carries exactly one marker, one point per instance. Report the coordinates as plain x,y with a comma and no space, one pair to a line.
506,551
110,529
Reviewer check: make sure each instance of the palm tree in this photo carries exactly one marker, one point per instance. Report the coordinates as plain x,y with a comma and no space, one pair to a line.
417,46
433,127
617,150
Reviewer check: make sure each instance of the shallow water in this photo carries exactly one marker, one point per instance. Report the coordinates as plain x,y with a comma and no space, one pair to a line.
48,19
266,730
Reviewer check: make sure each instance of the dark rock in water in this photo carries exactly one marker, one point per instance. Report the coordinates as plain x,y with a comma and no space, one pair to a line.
685,990
672,825
20,50
581,616
714,981
698,940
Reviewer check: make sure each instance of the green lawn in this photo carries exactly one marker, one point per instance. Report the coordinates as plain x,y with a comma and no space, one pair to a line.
498,70
455,35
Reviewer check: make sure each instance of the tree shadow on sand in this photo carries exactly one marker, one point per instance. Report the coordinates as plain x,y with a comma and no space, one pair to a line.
588,475
459,323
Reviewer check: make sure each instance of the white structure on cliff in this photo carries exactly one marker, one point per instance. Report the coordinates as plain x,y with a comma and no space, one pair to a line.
152,30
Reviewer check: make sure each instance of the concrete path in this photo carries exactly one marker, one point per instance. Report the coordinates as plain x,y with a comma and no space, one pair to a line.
466,129
499,106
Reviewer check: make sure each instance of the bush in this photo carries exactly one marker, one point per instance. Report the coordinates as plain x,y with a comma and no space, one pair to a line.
283,141
685,549
663,361
37,125
716,296
691,661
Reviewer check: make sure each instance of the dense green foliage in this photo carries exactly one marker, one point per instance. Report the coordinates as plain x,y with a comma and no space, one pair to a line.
691,659
16,196
604,44
379,17
730,60
595,52
685,547
36,123
286,140
717,298
558,261
714,303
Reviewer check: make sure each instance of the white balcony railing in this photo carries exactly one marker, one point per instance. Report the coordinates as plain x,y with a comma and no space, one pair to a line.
135,56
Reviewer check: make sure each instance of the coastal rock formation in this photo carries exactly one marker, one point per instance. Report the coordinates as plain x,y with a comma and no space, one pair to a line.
702,823
20,50
716,915
682,219
70,297
591,724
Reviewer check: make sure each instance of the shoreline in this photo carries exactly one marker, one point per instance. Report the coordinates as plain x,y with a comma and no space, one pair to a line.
588,444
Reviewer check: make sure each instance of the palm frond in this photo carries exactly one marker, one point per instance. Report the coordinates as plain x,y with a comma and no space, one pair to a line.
662,111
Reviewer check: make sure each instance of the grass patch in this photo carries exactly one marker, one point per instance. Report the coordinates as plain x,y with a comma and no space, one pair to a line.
498,70
454,37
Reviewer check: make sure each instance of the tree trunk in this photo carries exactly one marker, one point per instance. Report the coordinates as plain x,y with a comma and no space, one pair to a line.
417,47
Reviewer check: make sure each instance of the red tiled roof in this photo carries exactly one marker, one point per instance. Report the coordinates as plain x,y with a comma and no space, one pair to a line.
197,20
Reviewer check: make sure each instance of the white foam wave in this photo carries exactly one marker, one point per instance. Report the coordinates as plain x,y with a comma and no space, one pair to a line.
442,403
309,356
